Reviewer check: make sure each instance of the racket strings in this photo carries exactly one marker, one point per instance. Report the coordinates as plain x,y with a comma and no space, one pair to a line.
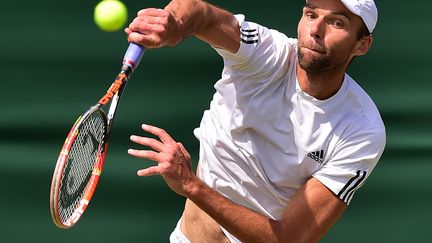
80,164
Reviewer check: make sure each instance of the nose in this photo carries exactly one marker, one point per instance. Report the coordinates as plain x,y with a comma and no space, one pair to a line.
317,29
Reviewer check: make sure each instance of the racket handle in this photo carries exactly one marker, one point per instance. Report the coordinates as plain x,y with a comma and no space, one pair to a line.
133,56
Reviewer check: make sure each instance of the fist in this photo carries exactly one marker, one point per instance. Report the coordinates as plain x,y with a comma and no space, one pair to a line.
155,28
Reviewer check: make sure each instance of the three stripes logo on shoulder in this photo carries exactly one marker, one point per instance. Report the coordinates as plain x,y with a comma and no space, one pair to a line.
249,36
352,185
318,156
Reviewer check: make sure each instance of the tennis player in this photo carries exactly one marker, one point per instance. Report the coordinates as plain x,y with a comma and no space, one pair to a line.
289,136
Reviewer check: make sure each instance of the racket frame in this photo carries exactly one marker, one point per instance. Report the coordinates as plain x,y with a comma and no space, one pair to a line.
62,163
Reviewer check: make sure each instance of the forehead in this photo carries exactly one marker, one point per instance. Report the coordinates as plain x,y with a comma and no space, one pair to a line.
330,6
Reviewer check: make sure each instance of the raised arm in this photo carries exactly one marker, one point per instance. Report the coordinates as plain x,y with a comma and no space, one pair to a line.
154,28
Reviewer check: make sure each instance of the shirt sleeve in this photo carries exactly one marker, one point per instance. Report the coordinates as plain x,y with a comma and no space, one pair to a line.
352,162
262,50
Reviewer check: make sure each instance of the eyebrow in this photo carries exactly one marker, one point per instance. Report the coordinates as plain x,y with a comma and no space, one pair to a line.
309,5
341,13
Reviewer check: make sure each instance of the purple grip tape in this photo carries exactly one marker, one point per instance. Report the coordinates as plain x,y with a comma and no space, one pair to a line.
133,55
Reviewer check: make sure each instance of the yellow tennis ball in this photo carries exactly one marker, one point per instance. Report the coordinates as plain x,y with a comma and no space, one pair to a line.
110,15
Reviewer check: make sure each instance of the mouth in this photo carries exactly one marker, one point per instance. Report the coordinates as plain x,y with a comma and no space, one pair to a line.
315,49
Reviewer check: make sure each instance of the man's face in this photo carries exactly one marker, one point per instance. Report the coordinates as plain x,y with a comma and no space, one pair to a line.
327,36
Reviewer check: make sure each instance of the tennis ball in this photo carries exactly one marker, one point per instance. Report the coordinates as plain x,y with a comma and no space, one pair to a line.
110,15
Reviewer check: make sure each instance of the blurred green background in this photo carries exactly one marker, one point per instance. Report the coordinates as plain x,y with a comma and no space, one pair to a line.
55,63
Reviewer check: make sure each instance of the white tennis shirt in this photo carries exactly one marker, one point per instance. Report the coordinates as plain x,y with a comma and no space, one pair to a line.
263,137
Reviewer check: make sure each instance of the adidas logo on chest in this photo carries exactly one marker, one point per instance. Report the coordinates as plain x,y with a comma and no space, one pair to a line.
318,156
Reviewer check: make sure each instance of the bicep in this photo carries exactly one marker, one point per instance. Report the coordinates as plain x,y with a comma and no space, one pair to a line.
311,212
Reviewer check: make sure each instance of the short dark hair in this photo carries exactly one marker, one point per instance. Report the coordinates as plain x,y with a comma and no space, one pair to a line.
363,31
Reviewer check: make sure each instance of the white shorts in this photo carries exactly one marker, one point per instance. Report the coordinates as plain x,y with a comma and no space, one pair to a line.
177,235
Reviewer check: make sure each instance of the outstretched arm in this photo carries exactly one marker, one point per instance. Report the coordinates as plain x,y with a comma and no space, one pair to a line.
307,217
154,28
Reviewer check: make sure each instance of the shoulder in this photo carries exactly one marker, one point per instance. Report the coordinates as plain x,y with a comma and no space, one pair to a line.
367,111
362,132
258,45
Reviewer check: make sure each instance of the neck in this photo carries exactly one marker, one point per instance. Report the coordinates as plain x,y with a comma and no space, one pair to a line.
322,85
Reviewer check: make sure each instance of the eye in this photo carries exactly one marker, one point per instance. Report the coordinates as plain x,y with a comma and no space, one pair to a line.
337,23
310,15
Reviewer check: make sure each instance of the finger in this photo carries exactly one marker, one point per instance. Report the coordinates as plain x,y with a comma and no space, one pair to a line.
159,20
147,28
145,154
154,170
162,134
155,12
149,41
140,26
149,142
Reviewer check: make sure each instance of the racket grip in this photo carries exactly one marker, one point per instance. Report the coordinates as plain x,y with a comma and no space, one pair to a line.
133,56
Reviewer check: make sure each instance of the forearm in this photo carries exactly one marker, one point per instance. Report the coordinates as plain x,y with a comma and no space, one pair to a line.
245,224
191,15
211,24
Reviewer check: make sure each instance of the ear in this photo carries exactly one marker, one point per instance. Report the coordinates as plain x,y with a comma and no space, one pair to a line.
363,45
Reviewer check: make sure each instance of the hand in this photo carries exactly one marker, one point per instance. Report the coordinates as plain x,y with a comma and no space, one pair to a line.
173,161
154,28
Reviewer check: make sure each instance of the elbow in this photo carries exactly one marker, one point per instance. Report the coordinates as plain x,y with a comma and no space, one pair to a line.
293,232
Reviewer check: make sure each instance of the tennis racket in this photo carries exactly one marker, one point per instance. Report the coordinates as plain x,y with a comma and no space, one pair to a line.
82,156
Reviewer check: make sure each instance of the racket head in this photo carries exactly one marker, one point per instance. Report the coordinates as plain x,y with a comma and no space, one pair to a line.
78,167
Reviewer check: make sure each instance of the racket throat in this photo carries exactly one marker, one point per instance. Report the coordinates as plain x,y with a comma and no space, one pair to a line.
115,87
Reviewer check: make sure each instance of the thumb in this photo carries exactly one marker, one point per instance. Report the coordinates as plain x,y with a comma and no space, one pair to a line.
184,151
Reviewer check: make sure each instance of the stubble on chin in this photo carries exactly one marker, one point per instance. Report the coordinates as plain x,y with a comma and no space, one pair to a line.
313,65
